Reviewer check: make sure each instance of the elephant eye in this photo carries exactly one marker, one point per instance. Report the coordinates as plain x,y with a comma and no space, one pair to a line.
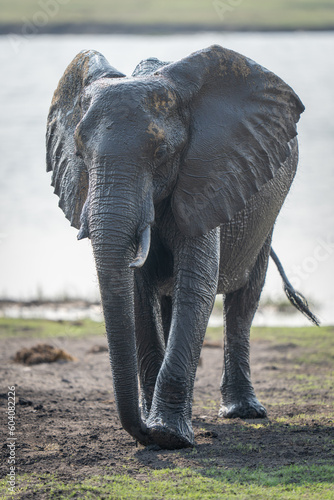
161,152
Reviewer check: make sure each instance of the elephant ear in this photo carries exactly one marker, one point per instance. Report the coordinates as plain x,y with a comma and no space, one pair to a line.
69,174
242,118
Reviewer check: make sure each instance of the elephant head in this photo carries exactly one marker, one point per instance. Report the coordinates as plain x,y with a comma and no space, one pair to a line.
205,133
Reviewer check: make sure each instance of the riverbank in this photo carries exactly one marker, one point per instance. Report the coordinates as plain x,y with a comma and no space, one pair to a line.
28,28
175,16
269,313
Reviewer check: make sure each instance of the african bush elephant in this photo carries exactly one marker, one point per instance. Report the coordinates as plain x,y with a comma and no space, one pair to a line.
177,175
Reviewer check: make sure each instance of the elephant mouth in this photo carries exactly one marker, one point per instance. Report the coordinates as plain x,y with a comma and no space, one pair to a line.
143,248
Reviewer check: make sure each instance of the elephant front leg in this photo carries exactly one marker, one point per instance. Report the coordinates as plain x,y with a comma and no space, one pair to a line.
238,395
196,278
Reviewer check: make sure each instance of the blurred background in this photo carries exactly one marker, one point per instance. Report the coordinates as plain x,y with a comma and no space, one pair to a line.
40,257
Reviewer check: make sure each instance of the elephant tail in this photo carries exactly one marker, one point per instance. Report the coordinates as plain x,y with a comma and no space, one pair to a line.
296,298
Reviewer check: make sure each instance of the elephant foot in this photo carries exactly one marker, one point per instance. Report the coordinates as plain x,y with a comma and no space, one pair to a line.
170,437
249,408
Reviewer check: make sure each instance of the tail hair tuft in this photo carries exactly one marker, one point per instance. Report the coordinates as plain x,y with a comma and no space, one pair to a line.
296,298
299,301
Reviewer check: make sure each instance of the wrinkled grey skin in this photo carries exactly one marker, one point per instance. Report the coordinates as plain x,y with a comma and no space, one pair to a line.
177,175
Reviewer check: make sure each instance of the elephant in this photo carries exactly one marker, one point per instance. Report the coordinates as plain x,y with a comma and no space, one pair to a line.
176,174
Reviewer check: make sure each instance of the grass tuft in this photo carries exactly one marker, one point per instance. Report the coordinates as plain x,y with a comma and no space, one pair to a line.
43,328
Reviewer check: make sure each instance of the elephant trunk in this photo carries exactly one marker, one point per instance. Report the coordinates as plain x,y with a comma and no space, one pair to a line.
114,228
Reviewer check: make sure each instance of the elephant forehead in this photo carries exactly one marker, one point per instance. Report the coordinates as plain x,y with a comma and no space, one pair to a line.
148,94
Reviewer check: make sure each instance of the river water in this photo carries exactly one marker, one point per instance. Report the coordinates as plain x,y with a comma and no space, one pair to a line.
39,253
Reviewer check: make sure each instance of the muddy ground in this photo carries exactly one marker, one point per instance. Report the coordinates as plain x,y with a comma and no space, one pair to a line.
66,421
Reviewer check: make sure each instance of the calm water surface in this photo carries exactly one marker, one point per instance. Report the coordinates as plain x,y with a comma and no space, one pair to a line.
40,255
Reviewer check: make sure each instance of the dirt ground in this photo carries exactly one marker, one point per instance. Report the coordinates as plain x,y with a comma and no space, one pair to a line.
66,421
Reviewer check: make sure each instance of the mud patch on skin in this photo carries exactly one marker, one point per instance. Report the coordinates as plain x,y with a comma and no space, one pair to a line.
162,103
156,132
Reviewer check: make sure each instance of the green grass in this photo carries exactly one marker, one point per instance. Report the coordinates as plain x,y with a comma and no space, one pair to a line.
290,483
304,345
301,336
316,344
43,328
273,13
